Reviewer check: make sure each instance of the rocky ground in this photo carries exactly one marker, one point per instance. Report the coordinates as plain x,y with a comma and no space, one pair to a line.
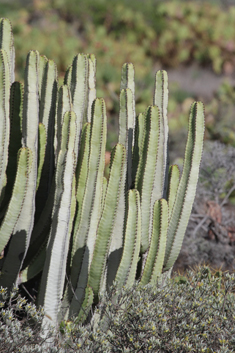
210,236
200,82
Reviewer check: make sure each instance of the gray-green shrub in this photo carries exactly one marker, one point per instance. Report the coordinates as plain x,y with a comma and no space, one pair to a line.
194,313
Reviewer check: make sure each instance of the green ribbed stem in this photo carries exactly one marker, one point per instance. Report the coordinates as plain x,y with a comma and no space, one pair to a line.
187,186
127,269
105,227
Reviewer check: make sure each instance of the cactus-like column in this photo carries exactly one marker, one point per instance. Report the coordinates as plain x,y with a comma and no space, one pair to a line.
127,269
127,116
16,109
53,276
7,43
91,81
146,172
5,119
96,278
16,201
187,187
47,110
155,259
161,100
84,239
23,228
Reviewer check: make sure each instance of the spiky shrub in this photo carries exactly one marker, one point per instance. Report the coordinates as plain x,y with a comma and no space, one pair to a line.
60,216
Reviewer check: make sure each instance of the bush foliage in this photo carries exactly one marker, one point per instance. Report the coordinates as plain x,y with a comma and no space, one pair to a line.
190,313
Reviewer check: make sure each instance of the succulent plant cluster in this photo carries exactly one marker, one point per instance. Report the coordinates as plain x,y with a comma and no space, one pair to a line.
61,219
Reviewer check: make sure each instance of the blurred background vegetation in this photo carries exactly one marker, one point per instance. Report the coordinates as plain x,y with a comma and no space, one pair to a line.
193,40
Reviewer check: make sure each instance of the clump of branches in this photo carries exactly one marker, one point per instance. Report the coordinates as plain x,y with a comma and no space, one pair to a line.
20,325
